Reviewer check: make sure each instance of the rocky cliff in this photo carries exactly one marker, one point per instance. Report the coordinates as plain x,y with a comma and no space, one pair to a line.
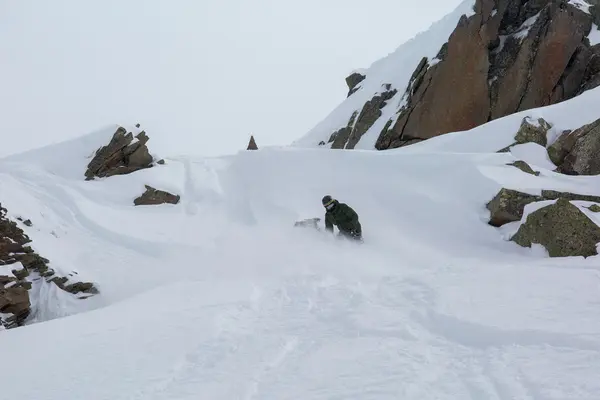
506,56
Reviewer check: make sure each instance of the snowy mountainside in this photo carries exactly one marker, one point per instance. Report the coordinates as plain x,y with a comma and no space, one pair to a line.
485,60
395,69
220,297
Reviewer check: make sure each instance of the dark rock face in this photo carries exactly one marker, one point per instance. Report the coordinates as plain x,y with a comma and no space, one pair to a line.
562,229
509,56
123,155
14,296
339,138
353,80
508,205
576,153
153,196
359,124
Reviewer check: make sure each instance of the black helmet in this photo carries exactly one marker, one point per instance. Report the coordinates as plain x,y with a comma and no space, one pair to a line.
327,200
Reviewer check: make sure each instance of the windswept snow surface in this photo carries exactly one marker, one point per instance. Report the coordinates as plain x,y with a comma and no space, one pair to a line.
219,297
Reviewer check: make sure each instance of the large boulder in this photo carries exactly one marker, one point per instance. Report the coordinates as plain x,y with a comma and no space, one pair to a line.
509,56
154,196
123,155
576,152
562,228
508,205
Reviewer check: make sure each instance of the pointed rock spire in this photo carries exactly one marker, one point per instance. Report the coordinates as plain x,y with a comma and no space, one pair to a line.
252,144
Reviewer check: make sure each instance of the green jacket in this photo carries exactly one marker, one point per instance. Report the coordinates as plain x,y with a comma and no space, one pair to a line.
344,217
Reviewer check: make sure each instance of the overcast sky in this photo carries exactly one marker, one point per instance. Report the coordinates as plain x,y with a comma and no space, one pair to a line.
200,75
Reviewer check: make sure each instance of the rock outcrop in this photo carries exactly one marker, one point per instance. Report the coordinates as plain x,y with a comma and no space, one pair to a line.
252,144
349,136
14,301
123,155
353,80
29,266
509,56
562,228
154,196
508,205
576,152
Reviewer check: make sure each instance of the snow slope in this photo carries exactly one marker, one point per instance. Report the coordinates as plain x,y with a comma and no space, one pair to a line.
219,297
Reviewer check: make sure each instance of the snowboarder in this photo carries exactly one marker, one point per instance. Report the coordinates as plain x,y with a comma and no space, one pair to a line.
342,216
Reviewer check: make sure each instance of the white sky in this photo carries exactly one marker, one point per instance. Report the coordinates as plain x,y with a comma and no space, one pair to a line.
200,75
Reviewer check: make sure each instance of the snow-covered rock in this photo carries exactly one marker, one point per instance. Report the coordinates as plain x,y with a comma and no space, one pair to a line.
562,228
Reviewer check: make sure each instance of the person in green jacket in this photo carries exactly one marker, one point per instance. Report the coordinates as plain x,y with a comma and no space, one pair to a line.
342,216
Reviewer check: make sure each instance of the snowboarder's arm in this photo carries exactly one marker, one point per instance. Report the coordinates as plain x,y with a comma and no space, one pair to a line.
328,223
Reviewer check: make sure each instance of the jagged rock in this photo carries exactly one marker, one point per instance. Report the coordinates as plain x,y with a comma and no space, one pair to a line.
562,229
523,166
451,95
353,80
252,144
15,301
359,124
123,155
508,205
576,153
154,196
533,132
161,162
339,138
508,56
